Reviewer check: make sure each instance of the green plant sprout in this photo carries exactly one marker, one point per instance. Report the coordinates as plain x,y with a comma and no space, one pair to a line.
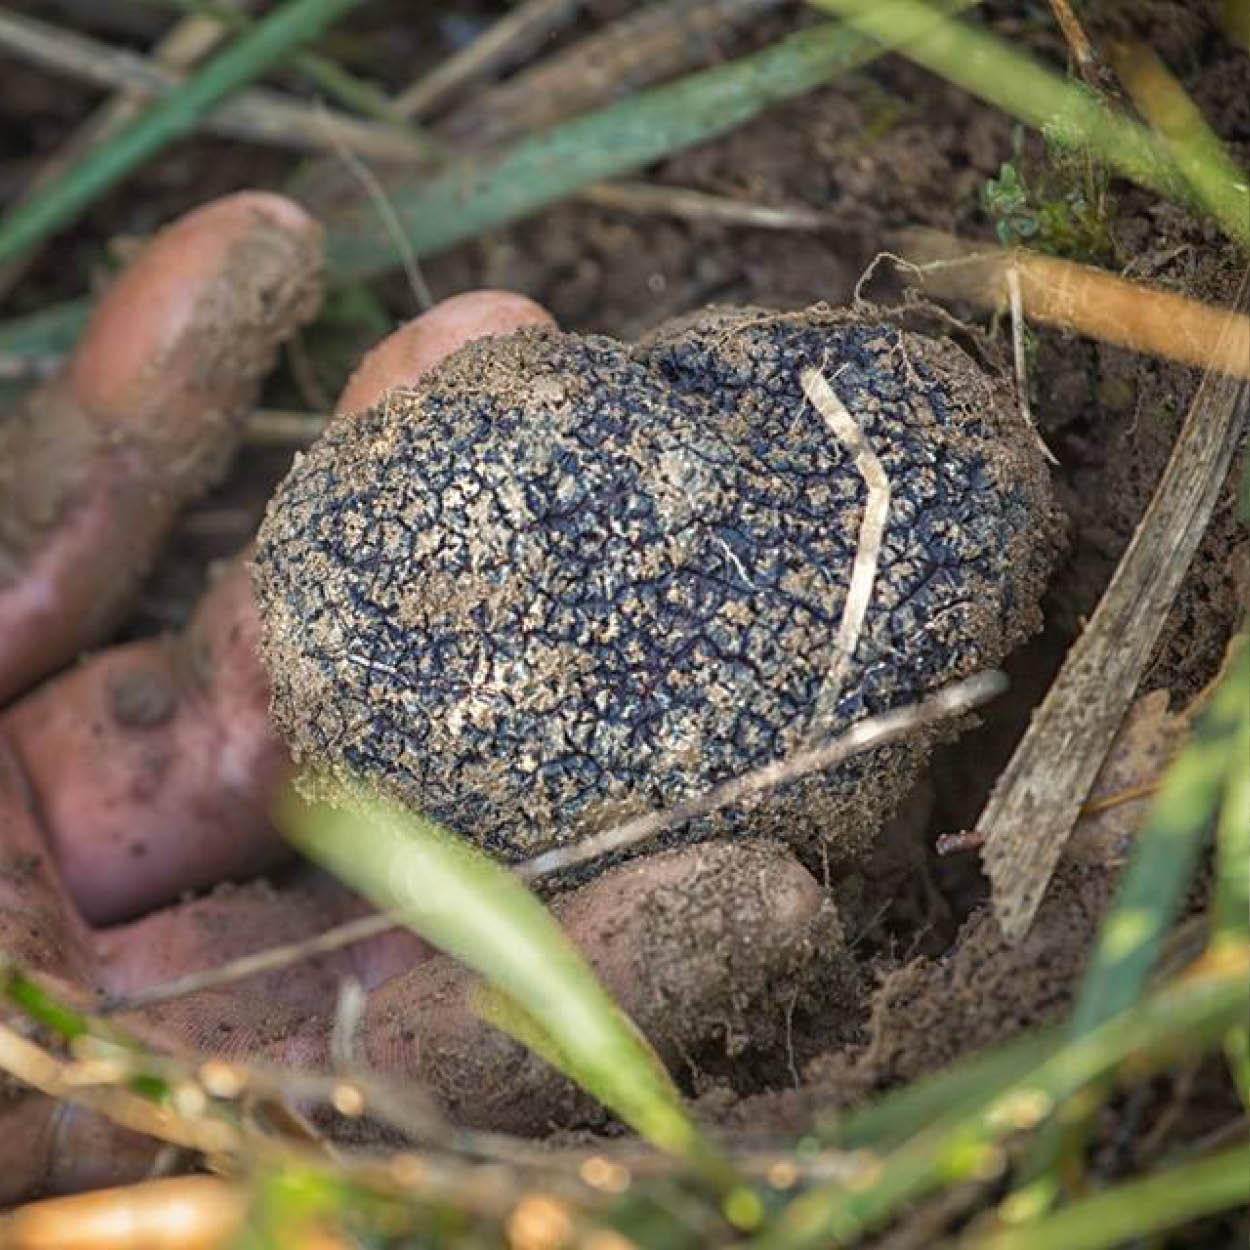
1062,209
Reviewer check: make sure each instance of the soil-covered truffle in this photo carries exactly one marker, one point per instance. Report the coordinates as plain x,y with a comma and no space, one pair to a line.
563,579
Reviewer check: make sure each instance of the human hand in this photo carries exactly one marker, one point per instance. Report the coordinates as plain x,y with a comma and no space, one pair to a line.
146,771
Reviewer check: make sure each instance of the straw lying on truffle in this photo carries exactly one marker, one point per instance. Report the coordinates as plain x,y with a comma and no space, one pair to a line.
563,579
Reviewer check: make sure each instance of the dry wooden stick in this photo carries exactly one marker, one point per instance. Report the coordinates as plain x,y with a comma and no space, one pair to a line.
190,40
653,199
644,47
257,114
1039,795
508,41
1082,298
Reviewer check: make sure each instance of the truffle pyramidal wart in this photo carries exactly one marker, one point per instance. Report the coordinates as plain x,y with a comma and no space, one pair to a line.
564,579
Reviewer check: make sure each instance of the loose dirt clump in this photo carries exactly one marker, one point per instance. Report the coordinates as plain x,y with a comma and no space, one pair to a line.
931,1012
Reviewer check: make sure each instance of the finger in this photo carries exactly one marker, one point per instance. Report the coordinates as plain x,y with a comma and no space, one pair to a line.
94,465
711,950
39,932
236,921
151,767
424,342
39,929
173,942
153,762
49,1147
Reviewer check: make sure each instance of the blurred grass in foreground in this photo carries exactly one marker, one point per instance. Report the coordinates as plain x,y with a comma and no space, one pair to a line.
972,1123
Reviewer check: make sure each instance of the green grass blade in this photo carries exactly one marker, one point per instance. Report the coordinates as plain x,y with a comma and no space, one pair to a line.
166,120
1232,885
476,194
1135,1209
481,193
479,912
39,1005
1232,839
1165,855
962,1089
1190,1014
1065,110
1148,899
1214,180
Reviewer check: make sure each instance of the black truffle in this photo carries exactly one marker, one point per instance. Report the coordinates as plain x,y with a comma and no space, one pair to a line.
564,579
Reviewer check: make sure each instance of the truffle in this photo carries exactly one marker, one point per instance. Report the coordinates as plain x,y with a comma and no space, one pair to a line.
564,579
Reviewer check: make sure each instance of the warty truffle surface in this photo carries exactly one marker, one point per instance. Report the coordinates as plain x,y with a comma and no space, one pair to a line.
564,579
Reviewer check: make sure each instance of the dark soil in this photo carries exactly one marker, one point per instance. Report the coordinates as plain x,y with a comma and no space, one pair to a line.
883,149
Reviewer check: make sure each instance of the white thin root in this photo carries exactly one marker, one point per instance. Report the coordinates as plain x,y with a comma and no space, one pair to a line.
868,549
1016,300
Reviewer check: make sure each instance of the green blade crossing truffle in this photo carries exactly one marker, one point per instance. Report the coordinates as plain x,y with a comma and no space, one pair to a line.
564,579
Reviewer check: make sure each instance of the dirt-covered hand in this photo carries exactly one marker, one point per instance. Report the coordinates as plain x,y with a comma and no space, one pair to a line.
145,771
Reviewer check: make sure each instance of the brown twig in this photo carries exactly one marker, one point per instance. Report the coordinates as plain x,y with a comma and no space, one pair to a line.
507,42
958,843
257,114
1087,62
646,46
1081,298
652,199
1030,814
1131,795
